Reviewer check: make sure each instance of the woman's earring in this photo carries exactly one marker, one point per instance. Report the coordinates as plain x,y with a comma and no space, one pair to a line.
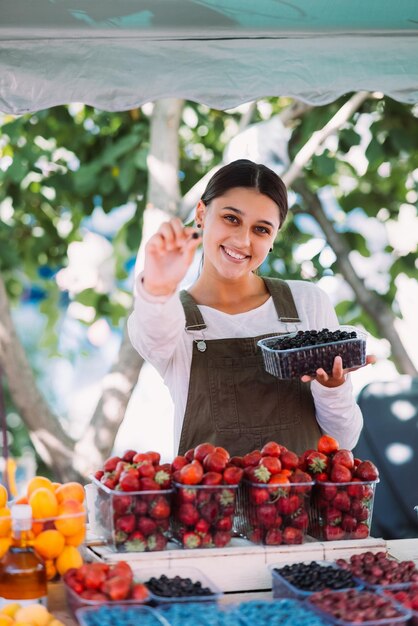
199,225
271,250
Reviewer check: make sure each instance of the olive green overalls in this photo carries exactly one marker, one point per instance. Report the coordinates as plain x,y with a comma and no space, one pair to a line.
232,401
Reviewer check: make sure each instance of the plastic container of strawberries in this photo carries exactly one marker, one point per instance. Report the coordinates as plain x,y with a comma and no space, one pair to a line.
118,613
341,510
133,521
296,362
203,515
273,514
144,574
282,588
75,602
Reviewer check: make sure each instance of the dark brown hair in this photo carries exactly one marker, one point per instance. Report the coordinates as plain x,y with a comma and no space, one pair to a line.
246,173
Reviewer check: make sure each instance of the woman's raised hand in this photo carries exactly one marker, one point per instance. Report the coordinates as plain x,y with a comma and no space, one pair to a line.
337,377
168,255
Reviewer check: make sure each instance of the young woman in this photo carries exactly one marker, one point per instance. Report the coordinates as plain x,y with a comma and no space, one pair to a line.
204,341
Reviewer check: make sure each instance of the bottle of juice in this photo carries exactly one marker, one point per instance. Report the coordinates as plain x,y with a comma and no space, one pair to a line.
22,571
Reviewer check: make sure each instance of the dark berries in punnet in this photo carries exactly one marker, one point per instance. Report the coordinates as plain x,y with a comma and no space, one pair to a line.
315,577
177,587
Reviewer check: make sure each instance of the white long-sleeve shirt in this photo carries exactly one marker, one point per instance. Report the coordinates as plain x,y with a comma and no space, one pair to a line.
157,331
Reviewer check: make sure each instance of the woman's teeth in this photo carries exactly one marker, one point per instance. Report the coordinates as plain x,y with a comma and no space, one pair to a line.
234,255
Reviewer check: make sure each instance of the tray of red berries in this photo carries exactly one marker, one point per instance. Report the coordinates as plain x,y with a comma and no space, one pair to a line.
301,353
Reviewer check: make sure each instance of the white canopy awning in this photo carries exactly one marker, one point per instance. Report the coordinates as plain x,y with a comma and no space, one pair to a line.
118,54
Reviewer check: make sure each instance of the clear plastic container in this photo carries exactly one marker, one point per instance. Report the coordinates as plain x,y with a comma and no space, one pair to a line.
193,614
144,574
408,589
119,613
282,588
403,615
280,612
273,514
76,602
296,362
203,515
133,521
341,510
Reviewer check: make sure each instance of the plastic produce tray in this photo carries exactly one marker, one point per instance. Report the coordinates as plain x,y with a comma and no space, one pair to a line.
144,574
282,588
296,362
119,615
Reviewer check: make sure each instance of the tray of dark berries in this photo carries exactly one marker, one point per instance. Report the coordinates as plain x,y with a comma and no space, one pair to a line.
378,571
357,606
300,580
177,584
301,353
119,615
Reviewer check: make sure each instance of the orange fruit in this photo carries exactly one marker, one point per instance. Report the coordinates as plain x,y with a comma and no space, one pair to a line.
4,496
76,539
51,570
71,518
69,557
36,483
22,500
49,544
37,527
56,485
44,503
70,491
5,522
4,545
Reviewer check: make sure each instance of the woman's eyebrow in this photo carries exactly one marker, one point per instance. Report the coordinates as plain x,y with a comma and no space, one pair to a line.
231,208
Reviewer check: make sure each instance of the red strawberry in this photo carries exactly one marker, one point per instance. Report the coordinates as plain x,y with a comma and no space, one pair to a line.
225,523
221,538
110,464
292,535
367,471
333,516
187,514
128,455
156,542
159,508
348,523
256,535
108,480
328,492
266,515
149,484
258,474
252,458
162,477
272,463
98,475
271,448
215,462
192,540
191,474
202,526
236,461
146,470
94,577
96,596
316,462
210,512
122,504
340,474
140,507
288,506
360,512
146,526
207,541
121,568
117,588
342,501
302,459
189,455
223,452
289,460
126,523
361,532
322,477
178,463
129,480
258,495
136,542
186,494
273,537
212,478
139,592
202,450
356,490
333,533
327,444
344,457
301,520
141,457
233,475
154,457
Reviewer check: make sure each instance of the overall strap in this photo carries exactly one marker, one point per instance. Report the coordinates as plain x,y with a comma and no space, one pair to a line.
283,300
194,319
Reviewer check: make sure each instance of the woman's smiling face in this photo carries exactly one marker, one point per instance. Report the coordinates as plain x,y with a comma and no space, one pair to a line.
239,228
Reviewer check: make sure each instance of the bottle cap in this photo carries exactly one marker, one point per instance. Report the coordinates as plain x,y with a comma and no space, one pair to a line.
21,516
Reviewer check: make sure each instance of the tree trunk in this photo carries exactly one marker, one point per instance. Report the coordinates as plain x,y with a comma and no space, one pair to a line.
375,307
51,442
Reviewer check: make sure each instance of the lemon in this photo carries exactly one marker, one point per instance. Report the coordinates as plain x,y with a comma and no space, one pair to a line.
36,614
10,609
